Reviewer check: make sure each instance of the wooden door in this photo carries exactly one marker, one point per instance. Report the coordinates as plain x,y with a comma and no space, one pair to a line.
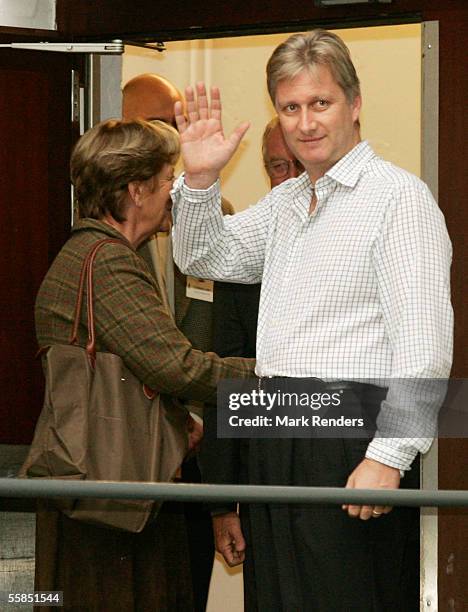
36,135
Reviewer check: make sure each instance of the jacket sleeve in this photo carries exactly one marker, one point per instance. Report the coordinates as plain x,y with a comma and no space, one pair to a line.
131,321
235,316
235,311
219,461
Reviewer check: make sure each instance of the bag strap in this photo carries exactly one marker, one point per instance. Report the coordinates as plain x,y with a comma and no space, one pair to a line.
86,275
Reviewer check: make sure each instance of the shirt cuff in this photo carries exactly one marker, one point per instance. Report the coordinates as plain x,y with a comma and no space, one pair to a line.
195,194
384,451
205,199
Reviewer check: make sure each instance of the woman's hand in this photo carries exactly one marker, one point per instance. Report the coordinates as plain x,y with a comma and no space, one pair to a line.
205,150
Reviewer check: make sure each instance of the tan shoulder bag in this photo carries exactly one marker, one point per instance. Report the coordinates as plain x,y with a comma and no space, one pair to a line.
99,422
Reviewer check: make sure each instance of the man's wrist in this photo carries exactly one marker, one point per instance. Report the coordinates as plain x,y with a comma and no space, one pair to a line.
390,467
200,181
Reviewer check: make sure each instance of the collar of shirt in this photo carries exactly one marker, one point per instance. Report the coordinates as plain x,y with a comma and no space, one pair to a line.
345,172
349,168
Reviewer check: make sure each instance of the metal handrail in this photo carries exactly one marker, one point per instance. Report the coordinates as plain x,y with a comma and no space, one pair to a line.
46,488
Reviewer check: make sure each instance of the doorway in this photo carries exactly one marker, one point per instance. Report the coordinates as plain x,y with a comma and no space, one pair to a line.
390,121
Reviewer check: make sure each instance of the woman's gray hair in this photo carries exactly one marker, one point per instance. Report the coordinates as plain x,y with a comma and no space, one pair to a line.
111,155
305,51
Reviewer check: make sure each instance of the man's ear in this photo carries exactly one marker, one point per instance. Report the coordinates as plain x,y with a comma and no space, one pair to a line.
356,108
135,190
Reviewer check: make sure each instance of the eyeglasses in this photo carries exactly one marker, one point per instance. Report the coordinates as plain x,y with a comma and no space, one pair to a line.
280,167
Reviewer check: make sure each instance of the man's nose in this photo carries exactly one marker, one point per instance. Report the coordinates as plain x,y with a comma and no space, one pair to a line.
307,121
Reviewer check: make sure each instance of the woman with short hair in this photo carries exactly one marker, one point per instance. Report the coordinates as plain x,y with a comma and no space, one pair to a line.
122,174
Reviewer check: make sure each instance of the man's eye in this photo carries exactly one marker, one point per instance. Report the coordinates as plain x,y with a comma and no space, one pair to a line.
322,103
290,108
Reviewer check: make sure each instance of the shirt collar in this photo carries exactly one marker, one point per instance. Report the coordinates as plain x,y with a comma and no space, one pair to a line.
301,193
301,185
350,167
346,172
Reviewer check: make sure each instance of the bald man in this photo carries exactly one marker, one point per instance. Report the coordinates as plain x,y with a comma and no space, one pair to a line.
150,96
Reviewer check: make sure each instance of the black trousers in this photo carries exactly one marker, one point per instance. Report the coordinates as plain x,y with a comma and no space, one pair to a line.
309,558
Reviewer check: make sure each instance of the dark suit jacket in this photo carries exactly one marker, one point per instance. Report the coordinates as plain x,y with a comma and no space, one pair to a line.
235,314
196,318
193,317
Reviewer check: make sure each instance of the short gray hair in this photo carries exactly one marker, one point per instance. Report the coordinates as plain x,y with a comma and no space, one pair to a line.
305,51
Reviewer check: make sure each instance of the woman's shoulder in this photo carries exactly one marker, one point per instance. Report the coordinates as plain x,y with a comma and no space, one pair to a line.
87,233
64,273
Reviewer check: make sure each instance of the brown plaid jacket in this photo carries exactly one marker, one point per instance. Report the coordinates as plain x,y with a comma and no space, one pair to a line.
130,318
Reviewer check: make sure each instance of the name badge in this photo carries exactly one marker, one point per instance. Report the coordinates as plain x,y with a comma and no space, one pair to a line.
199,289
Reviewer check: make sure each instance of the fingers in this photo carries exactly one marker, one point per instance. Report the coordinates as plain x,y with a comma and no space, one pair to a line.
215,103
237,549
181,122
229,540
362,512
232,556
202,100
377,511
232,548
366,512
200,108
233,560
238,133
192,108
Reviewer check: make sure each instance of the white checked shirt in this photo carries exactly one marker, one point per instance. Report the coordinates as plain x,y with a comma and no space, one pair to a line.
357,290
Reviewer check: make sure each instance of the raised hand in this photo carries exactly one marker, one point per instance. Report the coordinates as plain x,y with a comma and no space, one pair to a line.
205,149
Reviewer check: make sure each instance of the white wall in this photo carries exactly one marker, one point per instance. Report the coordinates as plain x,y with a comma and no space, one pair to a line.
388,62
